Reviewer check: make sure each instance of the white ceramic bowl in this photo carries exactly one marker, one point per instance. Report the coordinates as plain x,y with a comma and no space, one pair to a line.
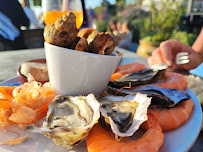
78,73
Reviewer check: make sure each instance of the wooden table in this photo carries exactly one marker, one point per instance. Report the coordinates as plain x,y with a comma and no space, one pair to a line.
11,60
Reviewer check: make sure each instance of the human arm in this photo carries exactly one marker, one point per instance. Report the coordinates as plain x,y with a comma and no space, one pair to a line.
168,50
21,16
198,44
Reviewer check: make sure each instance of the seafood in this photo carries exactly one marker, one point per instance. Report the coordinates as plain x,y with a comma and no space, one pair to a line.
127,73
146,76
69,119
172,80
125,114
161,97
6,92
85,32
125,69
101,43
102,140
171,107
24,104
173,117
62,32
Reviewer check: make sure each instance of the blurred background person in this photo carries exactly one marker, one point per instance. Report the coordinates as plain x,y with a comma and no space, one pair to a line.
126,42
113,26
14,12
90,17
168,50
34,23
119,26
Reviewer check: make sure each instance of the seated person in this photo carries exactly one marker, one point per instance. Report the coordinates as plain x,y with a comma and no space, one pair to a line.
119,26
113,27
30,14
126,42
16,16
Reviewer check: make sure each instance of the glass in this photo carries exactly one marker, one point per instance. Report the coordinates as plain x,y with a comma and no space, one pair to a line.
52,9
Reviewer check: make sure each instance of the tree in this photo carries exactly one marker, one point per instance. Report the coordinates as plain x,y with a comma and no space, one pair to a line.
104,3
120,4
37,2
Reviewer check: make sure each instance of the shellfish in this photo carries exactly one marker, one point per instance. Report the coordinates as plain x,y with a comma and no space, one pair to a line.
125,114
162,97
146,76
69,119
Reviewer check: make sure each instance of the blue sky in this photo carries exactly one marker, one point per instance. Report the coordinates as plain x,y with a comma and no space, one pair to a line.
95,3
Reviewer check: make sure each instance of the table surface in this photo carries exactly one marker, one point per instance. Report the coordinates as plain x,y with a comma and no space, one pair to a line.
11,60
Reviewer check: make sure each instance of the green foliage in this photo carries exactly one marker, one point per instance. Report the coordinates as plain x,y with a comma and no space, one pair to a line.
184,37
112,10
99,10
155,37
137,14
103,3
37,2
102,26
120,4
157,25
161,23
137,29
135,19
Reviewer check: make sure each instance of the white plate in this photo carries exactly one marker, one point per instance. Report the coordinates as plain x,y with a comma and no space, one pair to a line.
177,140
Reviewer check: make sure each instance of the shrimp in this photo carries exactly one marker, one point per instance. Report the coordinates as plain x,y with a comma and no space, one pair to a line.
172,80
125,69
6,92
25,104
173,117
100,140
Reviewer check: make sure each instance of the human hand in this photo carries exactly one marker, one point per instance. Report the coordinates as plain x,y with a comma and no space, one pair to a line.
167,52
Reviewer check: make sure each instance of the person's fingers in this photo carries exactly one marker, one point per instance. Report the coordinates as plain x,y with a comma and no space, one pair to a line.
194,60
169,49
150,60
156,57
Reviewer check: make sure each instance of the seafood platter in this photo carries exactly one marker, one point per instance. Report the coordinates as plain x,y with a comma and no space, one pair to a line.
136,108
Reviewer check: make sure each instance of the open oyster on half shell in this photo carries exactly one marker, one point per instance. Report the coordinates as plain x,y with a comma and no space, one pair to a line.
69,119
125,114
142,77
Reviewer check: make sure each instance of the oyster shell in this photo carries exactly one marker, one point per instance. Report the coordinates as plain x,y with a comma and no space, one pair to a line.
69,119
125,114
146,76
161,97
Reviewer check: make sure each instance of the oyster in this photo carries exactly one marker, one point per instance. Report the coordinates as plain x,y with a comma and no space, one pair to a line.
161,97
69,119
125,114
146,76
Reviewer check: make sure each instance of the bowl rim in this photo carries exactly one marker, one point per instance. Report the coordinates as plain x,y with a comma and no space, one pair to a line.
112,55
